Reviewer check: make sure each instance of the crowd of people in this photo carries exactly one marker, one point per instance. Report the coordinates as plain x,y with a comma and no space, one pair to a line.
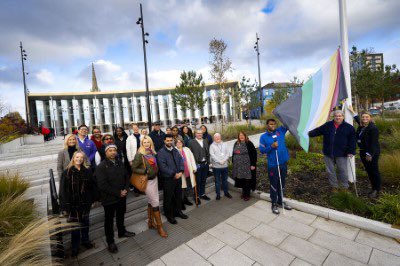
178,162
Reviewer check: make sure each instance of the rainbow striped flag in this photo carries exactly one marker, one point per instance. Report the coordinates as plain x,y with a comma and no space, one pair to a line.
310,106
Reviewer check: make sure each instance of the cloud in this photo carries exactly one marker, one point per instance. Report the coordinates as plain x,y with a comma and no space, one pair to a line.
45,76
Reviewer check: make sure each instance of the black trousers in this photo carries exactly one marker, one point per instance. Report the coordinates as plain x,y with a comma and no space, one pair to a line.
172,196
110,211
372,169
246,188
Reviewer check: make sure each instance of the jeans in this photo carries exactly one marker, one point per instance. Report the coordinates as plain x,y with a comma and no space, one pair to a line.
201,178
275,186
341,163
221,176
117,209
80,235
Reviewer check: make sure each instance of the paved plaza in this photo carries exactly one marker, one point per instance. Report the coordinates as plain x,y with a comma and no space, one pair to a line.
234,232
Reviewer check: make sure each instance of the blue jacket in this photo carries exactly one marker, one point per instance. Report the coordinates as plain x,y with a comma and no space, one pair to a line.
267,139
337,142
88,147
169,163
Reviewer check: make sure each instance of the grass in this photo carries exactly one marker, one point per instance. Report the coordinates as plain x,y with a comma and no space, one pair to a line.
12,185
389,165
231,131
386,126
29,246
348,202
387,209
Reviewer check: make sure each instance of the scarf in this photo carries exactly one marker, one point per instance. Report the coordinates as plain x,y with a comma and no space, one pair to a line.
185,163
151,159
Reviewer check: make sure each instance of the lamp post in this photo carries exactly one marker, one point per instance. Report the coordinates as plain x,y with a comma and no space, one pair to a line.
141,23
256,48
27,115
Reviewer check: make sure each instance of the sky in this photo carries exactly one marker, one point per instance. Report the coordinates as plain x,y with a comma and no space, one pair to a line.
63,38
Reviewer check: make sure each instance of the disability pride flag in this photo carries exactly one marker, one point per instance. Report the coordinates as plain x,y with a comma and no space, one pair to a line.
310,106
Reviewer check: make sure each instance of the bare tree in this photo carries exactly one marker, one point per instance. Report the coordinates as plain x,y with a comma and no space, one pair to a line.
220,66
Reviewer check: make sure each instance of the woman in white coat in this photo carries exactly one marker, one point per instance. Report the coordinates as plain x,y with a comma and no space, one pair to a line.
188,177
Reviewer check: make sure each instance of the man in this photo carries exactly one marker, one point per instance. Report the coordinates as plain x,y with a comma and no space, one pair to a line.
96,137
113,182
339,143
201,153
272,143
132,145
87,146
175,135
219,156
171,168
157,136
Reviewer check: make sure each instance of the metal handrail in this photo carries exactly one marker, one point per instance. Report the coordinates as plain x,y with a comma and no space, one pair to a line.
55,206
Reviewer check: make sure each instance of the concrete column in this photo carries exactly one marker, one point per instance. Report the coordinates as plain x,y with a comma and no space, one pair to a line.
126,110
153,108
161,107
171,109
143,108
136,109
87,113
98,113
214,103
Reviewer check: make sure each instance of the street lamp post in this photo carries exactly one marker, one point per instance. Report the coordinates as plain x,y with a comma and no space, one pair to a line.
141,23
23,58
256,48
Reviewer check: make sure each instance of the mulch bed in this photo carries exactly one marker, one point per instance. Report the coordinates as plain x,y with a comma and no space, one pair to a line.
315,190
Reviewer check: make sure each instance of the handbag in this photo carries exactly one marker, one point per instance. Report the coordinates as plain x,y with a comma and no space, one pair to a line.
139,181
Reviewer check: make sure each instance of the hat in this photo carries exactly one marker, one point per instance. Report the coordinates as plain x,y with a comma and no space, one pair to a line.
157,123
110,146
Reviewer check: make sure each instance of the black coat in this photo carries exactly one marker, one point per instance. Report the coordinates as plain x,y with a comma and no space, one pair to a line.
158,139
199,151
169,163
111,179
368,138
337,142
78,191
253,162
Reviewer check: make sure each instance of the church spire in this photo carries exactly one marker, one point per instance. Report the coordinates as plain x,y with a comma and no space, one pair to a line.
95,88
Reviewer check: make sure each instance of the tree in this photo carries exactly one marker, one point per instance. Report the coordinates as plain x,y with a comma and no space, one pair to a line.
389,85
189,93
248,96
11,126
220,66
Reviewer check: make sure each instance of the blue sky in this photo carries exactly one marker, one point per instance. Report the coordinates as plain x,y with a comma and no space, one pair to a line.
63,38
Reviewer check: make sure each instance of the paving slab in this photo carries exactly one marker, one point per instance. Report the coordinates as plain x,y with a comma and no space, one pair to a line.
183,255
304,250
292,227
335,259
341,245
299,262
258,214
336,228
231,257
269,234
205,244
242,222
229,234
264,253
382,258
299,216
380,242
156,263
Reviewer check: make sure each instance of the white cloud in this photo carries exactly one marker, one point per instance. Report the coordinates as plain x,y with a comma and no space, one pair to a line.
45,76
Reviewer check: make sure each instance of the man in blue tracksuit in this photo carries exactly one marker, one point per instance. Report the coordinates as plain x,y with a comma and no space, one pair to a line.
87,146
271,143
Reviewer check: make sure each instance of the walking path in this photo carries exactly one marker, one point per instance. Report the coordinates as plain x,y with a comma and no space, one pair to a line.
234,232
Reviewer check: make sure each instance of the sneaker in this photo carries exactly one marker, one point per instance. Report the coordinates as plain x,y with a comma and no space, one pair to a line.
287,206
205,197
229,196
218,197
275,209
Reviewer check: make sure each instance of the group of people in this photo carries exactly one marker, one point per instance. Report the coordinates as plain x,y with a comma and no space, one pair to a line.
178,162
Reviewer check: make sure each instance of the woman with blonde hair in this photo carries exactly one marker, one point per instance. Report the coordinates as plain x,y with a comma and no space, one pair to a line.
78,190
145,162
188,177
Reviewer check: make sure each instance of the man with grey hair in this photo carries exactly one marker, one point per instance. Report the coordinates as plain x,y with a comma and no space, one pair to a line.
339,143
219,156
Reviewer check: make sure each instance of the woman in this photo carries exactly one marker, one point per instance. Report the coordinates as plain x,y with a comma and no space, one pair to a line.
188,177
368,141
96,137
168,131
144,132
186,134
219,156
120,138
64,158
145,162
101,153
78,190
206,135
244,158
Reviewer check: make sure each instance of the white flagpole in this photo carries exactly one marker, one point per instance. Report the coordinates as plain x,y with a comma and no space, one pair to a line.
346,69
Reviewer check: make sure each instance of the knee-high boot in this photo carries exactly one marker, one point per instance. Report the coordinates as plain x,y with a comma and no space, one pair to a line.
150,216
157,216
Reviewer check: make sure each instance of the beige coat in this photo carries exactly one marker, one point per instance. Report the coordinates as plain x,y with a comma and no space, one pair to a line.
192,168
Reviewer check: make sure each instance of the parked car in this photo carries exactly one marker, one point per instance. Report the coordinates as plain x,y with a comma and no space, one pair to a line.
374,111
